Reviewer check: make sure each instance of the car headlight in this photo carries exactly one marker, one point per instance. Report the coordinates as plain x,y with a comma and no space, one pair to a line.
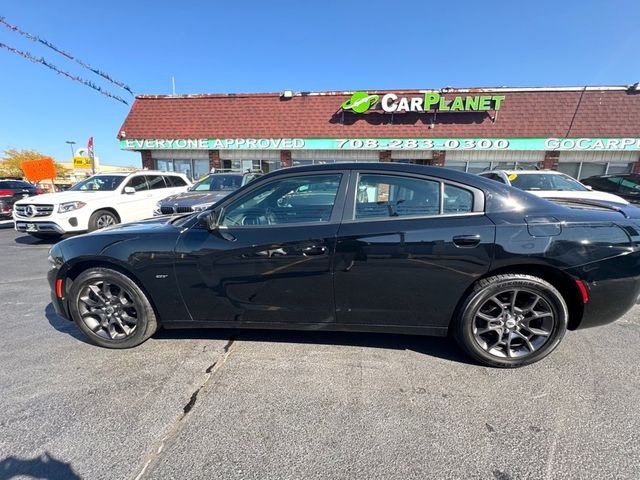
55,257
201,207
70,206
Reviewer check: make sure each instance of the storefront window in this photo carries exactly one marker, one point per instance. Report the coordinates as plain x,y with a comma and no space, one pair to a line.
580,170
192,168
200,168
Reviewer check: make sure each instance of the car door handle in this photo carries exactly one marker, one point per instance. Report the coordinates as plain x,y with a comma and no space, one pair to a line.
314,250
466,241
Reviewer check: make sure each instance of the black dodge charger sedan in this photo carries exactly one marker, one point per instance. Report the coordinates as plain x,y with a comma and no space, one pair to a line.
361,247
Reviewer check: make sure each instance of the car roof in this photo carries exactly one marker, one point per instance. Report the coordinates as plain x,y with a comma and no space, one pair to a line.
609,175
525,172
441,172
144,172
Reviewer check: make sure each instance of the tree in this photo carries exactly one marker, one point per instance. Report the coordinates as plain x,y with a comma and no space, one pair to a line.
12,158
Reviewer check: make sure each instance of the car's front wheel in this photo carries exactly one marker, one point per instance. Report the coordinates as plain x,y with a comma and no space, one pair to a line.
102,219
511,320
111,309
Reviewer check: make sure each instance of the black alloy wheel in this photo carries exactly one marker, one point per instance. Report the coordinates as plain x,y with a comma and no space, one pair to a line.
111,309
511,320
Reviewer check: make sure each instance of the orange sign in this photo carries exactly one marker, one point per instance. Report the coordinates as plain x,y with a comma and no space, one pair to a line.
41,169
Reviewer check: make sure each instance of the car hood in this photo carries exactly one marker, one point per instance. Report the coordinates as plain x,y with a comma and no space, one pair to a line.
588,195
62,197
161,223
187,199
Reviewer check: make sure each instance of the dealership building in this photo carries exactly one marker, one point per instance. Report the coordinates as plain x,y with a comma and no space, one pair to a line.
582,131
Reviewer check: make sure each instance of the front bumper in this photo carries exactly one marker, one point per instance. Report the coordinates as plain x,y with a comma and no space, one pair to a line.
38,227
59,304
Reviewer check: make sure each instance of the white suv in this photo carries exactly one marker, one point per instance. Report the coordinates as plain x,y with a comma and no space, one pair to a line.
97,202
550,184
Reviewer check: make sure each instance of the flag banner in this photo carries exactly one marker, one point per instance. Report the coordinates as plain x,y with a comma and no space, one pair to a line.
81,80
44,42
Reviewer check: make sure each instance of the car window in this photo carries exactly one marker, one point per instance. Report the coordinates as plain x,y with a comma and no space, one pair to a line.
493,176
98,183
138,183
380,196
608,184
218,183
292,200
155,182
457,200
545,181
174,181
629,186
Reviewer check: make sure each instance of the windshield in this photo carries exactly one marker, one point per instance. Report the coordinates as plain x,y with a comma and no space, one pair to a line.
545,181
217,183
99,183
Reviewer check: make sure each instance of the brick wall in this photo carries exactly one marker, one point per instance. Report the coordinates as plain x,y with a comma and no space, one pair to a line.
385,156
147,161
437,160
551,160
285,159
214,159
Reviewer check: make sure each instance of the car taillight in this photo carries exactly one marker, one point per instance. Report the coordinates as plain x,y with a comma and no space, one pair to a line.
6,193
583,291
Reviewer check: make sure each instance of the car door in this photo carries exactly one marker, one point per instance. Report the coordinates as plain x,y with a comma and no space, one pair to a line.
408,248
269,261
138,204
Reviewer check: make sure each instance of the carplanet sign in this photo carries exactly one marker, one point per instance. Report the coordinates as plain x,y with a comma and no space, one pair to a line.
361,102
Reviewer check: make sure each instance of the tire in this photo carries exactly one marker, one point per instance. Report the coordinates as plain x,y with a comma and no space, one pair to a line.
491,328
111,309
102,219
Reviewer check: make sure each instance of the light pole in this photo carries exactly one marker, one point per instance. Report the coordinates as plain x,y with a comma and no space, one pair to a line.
71,144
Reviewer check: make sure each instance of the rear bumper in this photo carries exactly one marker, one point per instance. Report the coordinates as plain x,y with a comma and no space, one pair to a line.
613,286
59,304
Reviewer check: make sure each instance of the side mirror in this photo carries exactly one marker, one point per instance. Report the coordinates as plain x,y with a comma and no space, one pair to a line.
129,190
210,219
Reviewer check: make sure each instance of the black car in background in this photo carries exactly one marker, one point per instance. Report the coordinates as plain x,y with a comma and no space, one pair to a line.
625,185
361,247
12,190
204,193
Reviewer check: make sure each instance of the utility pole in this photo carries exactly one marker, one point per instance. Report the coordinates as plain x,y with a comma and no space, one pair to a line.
71,144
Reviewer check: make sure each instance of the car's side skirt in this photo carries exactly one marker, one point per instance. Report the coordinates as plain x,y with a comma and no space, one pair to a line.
408,330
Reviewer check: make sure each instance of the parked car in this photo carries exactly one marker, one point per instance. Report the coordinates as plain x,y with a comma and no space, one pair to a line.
204,193
12,190
360,247
97,202
549,184
625,185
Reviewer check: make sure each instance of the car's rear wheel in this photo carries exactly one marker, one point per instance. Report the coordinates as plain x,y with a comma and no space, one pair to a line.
111,309
102,219
511,320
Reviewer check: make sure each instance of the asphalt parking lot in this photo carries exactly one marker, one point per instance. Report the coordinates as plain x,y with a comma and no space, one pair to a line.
256,405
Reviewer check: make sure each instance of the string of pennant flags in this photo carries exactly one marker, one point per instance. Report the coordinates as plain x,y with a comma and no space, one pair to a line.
70,76
62,52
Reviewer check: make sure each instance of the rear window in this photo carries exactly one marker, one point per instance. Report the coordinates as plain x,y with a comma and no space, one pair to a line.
174,181
545,181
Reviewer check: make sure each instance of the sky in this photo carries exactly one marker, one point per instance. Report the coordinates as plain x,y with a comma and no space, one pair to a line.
271,46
